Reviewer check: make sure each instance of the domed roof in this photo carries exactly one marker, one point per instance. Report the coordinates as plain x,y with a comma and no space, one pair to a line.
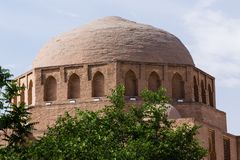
111,39
172,112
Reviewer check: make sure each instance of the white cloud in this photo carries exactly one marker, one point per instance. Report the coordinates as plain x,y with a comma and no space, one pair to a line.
204,3
10,66
216,42
66,13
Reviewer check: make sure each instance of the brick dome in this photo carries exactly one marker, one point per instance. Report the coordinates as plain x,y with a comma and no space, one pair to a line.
111,39
172,112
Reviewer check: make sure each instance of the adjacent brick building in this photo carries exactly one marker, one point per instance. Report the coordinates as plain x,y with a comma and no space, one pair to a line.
79,68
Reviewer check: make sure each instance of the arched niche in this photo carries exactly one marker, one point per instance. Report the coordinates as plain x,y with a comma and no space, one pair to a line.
98,85
154,81
203,94
50,89
177,87
210,94
195,89
30,92
22,94
73,86
131,84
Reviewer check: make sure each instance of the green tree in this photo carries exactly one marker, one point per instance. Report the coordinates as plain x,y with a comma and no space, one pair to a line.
141,132
15,123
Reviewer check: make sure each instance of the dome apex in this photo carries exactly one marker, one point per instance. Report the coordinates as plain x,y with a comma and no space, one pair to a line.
111,39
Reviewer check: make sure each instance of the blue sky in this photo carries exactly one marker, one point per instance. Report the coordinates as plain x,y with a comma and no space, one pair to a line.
210,29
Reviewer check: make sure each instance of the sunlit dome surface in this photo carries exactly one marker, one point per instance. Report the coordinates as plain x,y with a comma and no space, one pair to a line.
110,39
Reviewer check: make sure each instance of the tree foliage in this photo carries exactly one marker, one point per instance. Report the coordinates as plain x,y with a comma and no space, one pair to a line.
15,124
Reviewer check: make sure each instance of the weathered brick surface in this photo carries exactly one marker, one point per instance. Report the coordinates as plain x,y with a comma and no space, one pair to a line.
113,38
203,113
47,115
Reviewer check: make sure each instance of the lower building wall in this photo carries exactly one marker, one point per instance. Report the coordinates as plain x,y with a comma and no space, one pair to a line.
203,113
203,137
47,115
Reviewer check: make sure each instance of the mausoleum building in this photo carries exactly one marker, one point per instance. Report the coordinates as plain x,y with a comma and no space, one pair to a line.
78,69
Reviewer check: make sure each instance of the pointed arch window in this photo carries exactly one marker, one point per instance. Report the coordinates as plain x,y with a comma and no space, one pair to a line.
154,82
50,89
177,87
203,94
211,143
74,87
131,84
22,94
210,94
98,85
195,88
30,92
226,148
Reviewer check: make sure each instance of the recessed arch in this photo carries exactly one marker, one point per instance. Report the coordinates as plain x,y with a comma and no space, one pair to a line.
73,86
50,89
195,89
210,94
131,84
177,87
98,85
22,94
154,81
203,93
30,92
